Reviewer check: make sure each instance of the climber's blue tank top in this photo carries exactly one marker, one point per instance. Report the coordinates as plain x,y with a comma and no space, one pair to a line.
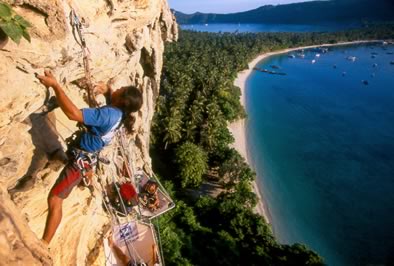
102,124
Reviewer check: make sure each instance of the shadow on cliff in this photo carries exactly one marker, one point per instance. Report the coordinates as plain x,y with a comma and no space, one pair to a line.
48,152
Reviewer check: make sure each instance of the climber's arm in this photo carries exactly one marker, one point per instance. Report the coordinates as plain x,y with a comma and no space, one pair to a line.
119,253
67,106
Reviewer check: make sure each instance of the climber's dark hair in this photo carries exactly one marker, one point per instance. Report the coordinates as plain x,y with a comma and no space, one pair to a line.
132,98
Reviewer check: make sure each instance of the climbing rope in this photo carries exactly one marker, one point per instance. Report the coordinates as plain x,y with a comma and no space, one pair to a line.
77,25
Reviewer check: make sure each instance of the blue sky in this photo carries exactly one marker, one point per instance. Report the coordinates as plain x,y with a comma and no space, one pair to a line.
223,6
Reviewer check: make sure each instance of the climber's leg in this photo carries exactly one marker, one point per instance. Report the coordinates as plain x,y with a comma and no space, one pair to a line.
68,179
54,217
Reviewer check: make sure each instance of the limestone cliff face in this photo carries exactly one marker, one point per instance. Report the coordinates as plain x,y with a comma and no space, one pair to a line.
126,42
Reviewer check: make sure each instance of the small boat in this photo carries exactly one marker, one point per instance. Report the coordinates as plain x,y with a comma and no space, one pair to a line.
324,50
392,63
351,58
206,25
373,56
389,53
291,56
365,82
301,55
317,55
313,61
275,67
375,65
384,43
343,74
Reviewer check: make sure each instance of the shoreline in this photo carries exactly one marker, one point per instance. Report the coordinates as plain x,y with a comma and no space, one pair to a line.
238,128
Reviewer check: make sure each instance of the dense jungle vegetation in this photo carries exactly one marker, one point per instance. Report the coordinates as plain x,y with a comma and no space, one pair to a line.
190,145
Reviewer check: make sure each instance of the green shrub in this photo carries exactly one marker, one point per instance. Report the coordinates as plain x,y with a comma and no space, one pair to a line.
192,164
12,24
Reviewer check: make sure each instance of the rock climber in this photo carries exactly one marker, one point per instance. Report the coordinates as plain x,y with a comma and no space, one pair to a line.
100,127
149,197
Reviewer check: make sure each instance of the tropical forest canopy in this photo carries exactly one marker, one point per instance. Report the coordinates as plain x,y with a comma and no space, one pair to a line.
190,147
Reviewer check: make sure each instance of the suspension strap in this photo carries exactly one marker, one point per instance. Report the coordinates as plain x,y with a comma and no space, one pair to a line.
125,154
160,245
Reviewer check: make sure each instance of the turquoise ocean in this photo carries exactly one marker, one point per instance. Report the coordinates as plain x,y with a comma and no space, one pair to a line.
321,139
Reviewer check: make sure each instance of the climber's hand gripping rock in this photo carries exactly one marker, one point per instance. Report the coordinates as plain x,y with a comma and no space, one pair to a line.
48,80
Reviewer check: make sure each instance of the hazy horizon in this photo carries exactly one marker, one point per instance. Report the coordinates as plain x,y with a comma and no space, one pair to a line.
224,6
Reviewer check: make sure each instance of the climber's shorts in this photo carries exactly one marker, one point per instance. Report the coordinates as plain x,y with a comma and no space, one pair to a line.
67,180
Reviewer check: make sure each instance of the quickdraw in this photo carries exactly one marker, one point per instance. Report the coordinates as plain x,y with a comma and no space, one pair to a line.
83,169
85,162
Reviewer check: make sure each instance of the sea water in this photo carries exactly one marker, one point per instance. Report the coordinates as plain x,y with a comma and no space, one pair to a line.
243,27
321,140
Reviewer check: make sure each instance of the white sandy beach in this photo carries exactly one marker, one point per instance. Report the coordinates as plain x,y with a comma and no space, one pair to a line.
238,128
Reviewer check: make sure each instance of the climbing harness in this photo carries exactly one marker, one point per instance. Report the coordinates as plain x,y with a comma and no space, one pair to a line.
86,162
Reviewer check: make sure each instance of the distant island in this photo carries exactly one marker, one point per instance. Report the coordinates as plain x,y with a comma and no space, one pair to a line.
363,12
